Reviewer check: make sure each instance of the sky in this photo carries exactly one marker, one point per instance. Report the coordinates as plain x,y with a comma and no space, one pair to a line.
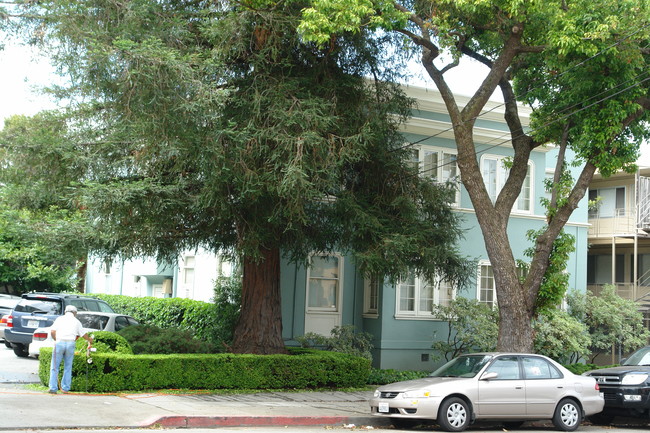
22,71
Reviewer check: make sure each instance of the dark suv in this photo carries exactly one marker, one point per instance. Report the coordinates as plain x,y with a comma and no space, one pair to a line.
626,388
39,310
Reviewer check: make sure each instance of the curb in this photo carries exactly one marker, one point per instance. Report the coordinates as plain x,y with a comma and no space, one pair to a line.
260,421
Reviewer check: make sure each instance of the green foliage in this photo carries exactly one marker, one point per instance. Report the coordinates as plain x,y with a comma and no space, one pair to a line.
106,342
154,340
382,377
206,321
555,282
227,300
561,336
473,326
343,339
612,320
302,369
28,260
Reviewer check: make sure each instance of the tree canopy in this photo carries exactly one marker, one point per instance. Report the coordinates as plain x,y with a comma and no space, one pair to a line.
215,125
582,66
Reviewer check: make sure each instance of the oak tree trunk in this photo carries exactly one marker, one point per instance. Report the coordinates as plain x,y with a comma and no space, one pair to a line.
259,329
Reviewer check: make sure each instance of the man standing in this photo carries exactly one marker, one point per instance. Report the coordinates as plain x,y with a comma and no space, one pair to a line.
65,331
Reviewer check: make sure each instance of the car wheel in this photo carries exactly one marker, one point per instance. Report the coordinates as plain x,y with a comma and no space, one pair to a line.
568,415
20,350
8,344
512,425
454,414
601,419
404,423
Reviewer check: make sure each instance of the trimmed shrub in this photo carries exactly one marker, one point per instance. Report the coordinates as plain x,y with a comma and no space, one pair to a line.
301,369
154,340
104,343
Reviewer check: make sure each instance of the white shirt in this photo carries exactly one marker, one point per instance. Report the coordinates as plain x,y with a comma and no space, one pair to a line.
67,327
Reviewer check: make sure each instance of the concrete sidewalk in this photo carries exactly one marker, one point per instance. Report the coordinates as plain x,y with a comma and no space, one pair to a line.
22,408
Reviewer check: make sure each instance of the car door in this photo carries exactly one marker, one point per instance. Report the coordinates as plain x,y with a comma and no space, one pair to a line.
544,386
504,395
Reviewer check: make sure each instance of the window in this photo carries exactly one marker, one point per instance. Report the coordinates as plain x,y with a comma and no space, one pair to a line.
506,368
417,296
611,203
486,287
439,164
187,278
495,175
371,296
538,368
323,283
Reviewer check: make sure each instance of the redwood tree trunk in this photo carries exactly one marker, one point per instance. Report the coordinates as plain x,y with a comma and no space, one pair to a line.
259,329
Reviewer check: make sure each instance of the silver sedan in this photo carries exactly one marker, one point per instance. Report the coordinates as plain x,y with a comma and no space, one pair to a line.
509,387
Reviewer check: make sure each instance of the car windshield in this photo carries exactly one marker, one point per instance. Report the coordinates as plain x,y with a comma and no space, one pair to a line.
463,366
640,357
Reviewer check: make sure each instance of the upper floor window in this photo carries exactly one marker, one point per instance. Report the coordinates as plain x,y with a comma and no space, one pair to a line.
417,296
439,164
495,175
608,202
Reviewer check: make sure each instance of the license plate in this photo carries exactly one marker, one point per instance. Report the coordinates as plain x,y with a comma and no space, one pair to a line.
383,407
33,324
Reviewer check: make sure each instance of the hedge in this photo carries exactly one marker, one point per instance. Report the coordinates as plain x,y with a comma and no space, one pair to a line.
301,369
204,319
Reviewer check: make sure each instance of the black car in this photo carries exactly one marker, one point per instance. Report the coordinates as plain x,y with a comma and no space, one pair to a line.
39,310
626,388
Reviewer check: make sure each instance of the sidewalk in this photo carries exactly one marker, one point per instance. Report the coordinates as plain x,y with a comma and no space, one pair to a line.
21,408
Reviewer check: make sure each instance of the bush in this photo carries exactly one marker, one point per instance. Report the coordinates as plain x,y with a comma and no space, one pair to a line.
104,343
301,369
343,339
204,320
155,340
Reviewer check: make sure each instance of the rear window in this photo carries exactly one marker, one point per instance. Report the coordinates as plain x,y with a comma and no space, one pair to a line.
92,321
42,306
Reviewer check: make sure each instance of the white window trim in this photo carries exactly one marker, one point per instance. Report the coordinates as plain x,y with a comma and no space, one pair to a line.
337,308
440,150
501,171
417,314
482,263
368,285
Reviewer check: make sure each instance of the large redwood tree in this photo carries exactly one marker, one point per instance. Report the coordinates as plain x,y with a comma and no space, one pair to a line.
214,124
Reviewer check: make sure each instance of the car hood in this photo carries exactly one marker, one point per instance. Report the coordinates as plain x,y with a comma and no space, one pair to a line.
426,382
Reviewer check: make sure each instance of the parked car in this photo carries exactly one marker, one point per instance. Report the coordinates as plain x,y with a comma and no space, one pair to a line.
626,388
92,321
7,303
508,387
37,310
3,325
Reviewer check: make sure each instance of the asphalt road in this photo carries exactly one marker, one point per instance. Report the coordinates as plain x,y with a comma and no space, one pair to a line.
17,370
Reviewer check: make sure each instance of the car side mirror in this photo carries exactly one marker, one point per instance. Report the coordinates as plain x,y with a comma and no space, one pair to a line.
490,375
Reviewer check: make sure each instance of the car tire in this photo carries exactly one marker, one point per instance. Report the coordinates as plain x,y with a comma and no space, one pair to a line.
8,344
405,423
20,350
601,419
454,414
568,415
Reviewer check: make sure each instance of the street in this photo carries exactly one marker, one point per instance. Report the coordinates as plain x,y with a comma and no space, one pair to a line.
126,412
15,369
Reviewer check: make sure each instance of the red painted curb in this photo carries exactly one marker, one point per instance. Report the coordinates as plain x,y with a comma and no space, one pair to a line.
243,421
